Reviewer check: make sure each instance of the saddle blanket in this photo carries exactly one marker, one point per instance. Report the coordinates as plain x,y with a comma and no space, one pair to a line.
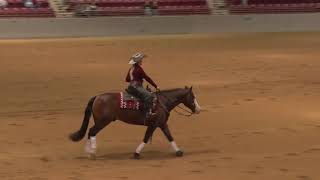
127,101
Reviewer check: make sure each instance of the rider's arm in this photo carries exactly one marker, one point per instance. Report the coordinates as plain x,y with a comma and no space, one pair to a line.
148,79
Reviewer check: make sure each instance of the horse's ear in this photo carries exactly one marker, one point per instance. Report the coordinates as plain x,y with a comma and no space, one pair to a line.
190,89
186,87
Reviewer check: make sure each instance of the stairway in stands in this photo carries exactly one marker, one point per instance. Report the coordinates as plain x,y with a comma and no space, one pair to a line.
60,9
218,7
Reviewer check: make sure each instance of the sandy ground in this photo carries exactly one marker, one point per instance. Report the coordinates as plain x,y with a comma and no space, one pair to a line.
259,93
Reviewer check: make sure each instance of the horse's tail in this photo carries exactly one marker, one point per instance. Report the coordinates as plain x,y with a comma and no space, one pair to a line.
77,136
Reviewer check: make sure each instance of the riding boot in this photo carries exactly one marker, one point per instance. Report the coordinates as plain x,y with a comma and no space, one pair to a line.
150,113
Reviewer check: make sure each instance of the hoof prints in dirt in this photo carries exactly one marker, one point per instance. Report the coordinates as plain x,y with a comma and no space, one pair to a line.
312,150
292,154
303,177
288,130
312,125
258,133
50,118
74,178
196,171
212,166
45,159
235,134
251,172
273,99
28,142
269,157
122,177
195,162
284,170
235,103
258,167
7,163
157,165
227,158
15,124
38,178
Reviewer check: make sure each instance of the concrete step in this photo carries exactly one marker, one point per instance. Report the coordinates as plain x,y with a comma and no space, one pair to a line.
60,9
65,15
219,7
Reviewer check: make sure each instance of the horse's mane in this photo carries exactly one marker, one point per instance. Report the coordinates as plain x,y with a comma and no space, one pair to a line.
170,90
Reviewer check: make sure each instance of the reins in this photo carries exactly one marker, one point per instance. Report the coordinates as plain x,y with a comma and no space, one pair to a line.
187,115
179,113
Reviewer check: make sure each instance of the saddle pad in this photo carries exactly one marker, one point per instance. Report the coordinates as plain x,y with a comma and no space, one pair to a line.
127,101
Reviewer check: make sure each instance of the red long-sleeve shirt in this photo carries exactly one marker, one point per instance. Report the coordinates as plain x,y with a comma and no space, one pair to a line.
138,75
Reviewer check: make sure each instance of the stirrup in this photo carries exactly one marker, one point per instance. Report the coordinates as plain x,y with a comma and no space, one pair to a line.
149,118
150,115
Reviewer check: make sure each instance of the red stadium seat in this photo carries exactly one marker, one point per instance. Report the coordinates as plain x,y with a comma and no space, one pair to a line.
182,7
274,6
26,12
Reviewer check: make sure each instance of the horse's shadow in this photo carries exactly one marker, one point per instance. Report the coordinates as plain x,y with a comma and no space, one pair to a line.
150,155
147,155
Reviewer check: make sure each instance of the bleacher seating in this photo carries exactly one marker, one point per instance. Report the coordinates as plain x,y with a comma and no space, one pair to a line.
273,6
120,11
183,10
16,8
182,7
111,7
41,8
108,3
137,7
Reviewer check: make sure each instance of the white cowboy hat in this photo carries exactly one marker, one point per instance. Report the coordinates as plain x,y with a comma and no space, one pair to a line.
136,58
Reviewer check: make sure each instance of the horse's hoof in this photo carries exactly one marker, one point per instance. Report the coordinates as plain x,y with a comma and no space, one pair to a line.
179,153
136,156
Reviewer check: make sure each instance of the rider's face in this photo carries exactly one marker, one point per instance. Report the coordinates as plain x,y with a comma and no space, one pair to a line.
140,63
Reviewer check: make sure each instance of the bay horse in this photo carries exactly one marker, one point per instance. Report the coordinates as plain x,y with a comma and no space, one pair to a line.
105,109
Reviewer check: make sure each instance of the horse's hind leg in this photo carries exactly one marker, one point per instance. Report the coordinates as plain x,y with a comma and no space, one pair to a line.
146,138
166,131
91,145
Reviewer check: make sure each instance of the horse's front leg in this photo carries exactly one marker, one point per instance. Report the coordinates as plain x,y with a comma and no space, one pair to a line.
166,131
146,138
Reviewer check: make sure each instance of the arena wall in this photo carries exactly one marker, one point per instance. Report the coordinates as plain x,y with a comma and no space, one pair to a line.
120,26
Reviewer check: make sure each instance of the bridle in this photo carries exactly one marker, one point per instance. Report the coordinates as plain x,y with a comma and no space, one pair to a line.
187,115
179,113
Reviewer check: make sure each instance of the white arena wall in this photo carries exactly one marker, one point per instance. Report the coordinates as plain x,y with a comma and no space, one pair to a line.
157,25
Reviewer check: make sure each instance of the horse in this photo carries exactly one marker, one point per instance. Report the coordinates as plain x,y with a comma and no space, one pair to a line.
105,109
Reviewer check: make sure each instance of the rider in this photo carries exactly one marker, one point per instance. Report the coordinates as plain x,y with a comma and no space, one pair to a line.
135,78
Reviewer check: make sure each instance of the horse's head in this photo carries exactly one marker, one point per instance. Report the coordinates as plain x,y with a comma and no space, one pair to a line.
190,101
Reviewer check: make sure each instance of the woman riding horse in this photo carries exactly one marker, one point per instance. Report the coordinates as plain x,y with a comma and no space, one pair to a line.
135,78
105,109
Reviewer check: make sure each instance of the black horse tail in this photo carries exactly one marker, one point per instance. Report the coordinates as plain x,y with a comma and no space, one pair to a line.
77,136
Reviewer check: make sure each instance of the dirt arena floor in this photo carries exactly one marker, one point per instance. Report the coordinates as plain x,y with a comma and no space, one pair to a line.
260,94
